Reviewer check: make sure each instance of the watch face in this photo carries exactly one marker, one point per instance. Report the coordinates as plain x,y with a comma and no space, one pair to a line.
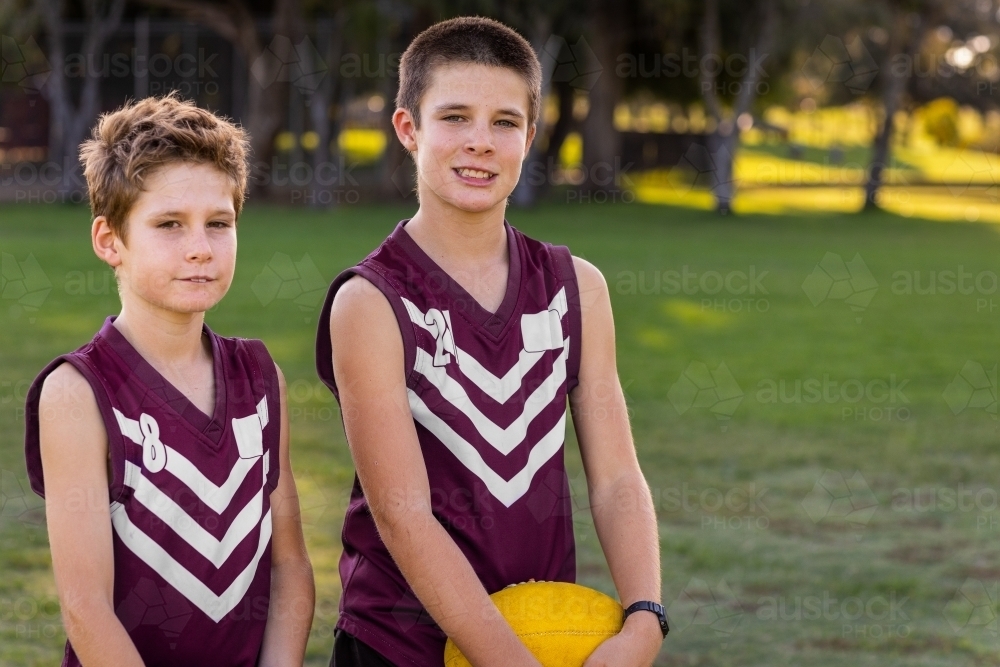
661,612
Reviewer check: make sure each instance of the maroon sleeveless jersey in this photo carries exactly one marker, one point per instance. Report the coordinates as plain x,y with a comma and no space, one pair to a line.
190,498
488,397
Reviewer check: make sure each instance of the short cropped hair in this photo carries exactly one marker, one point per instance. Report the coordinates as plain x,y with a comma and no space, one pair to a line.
129,144
467,39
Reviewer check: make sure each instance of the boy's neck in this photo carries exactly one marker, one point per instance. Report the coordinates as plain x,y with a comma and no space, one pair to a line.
164,340
465,239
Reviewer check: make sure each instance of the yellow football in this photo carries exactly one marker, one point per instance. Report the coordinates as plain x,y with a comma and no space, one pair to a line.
560,623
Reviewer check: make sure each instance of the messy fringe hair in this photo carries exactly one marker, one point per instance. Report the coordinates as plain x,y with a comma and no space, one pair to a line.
130,143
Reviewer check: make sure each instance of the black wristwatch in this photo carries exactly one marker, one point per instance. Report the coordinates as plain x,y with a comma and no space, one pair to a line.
646,605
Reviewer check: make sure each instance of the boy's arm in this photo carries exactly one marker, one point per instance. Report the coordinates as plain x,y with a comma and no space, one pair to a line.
619,496
293,593
368,363
74,449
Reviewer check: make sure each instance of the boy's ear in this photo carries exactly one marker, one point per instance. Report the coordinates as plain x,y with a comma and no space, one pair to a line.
105,241
406,129
527,144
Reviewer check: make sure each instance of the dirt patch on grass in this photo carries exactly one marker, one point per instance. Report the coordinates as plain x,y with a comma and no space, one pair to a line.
905,645
921,554
981,572
682,660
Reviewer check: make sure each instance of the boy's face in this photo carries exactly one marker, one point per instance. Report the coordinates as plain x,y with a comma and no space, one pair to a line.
181,240
473,135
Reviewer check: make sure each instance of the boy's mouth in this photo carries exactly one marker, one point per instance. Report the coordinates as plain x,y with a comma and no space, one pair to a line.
475,176
197,279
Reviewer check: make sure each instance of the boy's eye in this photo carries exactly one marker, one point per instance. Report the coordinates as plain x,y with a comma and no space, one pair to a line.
167,224
508,123
219,223
452,118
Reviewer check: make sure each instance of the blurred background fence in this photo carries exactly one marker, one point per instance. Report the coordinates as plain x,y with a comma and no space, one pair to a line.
821,104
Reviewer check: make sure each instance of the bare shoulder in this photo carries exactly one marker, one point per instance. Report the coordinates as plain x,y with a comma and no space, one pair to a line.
356,291
591,283
358,296
360,310
72,435
66,388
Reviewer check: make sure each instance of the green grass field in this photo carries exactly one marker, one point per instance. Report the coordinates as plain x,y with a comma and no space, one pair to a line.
825,476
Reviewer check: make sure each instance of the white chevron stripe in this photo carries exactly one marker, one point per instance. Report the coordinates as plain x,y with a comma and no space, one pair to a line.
214,606
503,439
506,491
216,497
170,513
499,389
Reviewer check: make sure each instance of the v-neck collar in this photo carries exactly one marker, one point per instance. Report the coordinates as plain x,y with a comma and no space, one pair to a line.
211,426
492,323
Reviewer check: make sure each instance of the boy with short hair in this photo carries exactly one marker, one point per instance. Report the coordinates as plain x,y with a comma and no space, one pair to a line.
452,349
161,448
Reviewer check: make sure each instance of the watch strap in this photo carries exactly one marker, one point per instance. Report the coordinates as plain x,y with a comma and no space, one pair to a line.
647,605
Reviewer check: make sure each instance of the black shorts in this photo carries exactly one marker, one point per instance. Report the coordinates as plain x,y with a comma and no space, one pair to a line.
349,651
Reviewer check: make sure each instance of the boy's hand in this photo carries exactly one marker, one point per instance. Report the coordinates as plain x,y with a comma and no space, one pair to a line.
635,646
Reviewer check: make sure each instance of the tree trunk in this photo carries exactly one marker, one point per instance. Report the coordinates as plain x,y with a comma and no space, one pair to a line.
329,44
528,186
601,141
891,100
724,142
722,148
70,122
544,170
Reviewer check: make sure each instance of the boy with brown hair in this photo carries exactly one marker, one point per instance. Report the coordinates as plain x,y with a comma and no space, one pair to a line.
452,349
161,448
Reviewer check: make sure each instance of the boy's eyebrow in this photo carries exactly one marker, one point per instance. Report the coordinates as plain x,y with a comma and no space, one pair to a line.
456,106
165,214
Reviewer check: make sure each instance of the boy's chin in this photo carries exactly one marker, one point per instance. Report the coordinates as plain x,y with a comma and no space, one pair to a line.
185,306
191,306
477,204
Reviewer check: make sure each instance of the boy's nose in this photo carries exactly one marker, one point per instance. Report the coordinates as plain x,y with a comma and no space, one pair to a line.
480,140
199,247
